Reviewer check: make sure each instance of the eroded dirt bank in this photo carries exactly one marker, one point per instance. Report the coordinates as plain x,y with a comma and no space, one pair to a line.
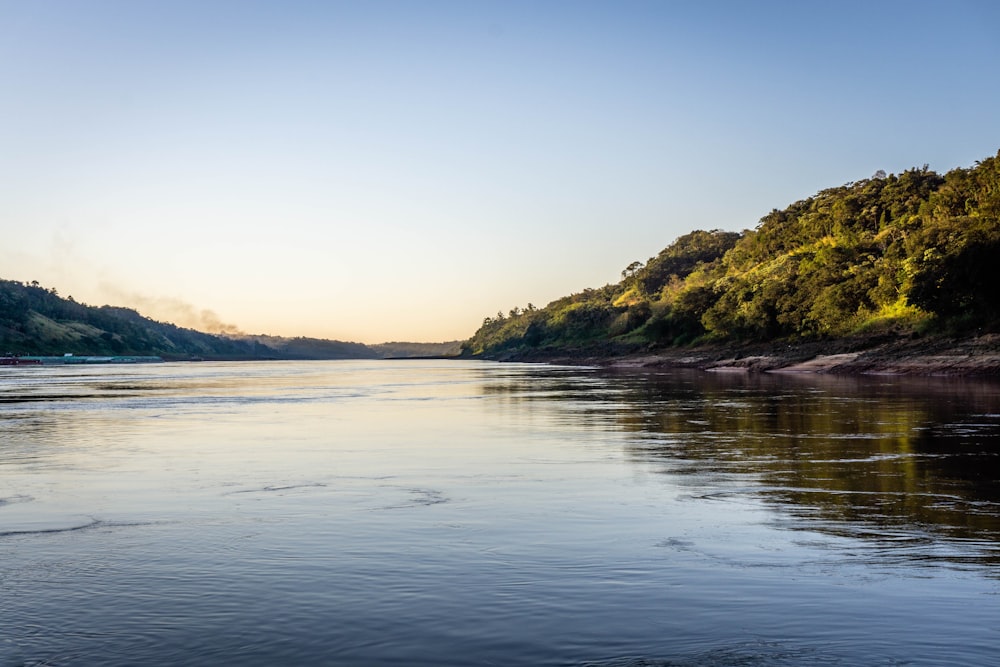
977,356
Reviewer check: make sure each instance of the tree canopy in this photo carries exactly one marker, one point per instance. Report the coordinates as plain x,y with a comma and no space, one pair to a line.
37,321
891,254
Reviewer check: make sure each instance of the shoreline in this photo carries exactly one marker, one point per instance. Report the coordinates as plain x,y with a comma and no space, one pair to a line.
977,356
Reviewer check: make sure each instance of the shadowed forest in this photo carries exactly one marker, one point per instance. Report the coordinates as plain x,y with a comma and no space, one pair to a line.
35,320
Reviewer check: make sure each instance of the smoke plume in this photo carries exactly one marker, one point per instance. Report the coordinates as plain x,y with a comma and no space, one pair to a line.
168,309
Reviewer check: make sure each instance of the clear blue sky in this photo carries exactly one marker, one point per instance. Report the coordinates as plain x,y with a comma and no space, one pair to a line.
399,170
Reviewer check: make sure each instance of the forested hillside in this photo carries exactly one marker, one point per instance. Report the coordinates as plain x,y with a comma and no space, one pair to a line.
913,253
402,350
36,320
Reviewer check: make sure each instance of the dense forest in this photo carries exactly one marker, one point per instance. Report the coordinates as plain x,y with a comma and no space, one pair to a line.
37,321
399,350
910,254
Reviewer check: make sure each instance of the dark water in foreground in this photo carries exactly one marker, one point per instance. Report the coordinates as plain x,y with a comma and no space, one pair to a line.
452,513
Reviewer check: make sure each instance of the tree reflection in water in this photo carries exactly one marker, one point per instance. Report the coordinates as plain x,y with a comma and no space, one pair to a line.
911,465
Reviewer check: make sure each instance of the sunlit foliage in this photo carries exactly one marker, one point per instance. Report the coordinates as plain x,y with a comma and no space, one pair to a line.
891,254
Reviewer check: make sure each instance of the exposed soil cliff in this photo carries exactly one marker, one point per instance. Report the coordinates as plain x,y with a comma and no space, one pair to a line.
977,356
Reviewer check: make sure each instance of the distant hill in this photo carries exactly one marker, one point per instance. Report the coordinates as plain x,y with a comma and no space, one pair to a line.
305,348
403,350
892,255
37,321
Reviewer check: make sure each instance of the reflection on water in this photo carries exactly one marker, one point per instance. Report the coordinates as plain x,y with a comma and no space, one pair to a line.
456,513
902,462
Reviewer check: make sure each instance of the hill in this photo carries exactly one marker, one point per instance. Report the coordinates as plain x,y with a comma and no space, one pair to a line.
279,347
401,350
37,321
885,258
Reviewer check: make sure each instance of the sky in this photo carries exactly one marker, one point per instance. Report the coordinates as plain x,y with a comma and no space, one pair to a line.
387,171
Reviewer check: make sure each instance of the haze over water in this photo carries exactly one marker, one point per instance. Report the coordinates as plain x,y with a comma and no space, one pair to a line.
456,513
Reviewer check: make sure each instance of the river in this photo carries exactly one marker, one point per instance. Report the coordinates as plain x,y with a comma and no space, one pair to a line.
473,513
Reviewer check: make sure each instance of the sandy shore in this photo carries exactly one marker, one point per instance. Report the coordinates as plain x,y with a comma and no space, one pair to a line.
978,356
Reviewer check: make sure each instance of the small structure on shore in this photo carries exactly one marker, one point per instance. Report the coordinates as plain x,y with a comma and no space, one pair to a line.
71,359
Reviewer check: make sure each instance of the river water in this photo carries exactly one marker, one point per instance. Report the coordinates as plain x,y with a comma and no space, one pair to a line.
467,513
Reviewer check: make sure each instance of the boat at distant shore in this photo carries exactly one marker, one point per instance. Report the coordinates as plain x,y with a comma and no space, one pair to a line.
71,359
14,360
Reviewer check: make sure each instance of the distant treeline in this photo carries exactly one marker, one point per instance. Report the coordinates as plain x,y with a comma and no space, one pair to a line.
37,321
399,350
888,255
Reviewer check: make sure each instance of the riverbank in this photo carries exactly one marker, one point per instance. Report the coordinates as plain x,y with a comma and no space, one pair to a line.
976,356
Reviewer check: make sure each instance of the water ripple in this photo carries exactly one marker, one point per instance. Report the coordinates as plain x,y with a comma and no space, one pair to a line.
419,498
93,523
272,489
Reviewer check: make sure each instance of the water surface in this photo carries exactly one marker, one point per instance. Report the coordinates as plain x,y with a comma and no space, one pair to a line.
464,513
